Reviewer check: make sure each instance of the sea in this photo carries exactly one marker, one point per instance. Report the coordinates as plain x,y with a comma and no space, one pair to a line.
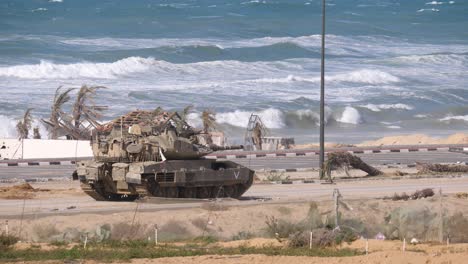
392,66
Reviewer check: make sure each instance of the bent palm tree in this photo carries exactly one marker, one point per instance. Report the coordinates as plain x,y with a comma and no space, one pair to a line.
56,112
208,120
345,160
24,125
84,108
209,124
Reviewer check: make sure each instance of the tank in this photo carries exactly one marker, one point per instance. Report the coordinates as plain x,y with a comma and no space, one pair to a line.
156,153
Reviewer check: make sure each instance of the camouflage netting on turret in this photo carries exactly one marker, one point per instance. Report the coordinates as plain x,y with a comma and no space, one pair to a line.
143,135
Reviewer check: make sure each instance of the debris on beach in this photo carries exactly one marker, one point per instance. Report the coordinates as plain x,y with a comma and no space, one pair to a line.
419,194
22,191
426,168
344,160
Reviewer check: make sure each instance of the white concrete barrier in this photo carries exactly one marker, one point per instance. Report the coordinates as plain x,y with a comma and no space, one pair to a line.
44,149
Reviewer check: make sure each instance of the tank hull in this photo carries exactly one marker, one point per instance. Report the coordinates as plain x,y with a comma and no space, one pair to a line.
202,178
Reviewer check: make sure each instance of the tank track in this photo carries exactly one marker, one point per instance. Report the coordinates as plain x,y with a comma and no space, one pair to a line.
99,194
148,189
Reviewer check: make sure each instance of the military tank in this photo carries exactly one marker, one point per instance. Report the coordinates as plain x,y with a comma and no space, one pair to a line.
156,153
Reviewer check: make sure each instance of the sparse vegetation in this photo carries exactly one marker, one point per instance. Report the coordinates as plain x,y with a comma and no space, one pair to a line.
213,206
284,210
45,232
199,223
420,194
274,176
174,231
7,241
126,250
126,231
243,235
280,228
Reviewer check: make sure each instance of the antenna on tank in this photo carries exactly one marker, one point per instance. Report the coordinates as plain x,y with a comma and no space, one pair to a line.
322,99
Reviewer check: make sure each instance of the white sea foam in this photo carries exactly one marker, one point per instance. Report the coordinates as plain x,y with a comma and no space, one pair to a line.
380,107
434,3
39,9
49,70
8,127
428,9
271,117
451,59
360,76
459,117
351,116
365,76
55,1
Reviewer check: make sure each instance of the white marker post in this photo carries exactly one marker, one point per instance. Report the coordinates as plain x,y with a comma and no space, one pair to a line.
156,234
7,231
85,240
404,244
367,246
310,242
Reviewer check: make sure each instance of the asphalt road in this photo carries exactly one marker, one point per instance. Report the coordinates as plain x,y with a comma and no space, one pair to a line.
267,163
78,203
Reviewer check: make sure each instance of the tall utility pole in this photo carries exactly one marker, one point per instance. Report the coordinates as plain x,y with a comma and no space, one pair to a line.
322,98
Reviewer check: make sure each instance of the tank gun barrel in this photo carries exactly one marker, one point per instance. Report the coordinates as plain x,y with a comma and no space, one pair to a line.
219,148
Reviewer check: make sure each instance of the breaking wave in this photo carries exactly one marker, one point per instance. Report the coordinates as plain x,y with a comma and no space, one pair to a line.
360,76
350,116
452,59
132,65
380,107
49,70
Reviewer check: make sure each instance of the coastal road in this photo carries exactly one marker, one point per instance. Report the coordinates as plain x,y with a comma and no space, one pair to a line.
264,163
73,201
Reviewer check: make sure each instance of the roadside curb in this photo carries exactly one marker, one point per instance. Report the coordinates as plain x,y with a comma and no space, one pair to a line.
37,163
15,180
377,178
299,153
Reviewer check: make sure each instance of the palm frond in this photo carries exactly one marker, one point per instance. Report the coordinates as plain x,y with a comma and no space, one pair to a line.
208,120
24,125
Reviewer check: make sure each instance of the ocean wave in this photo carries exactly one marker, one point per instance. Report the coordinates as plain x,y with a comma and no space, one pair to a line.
8,128
350,116
49,70
360,76
459,59
133,65
458,117
428,9
380,107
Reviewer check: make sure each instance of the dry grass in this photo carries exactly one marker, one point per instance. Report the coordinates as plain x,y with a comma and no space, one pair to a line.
213,206
45,232
199,223
126,231
174,230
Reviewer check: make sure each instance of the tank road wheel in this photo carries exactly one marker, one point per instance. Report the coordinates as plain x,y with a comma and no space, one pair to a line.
171,192
189,192
230,191
204,192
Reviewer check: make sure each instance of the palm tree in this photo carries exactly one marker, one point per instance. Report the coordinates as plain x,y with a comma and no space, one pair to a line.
338,160
85,108
208,120
56,114
209,124
24,125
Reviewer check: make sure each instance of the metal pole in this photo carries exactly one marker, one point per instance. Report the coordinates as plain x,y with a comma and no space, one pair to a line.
322,98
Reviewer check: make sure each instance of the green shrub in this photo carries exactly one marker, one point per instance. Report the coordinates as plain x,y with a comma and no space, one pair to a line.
7,241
